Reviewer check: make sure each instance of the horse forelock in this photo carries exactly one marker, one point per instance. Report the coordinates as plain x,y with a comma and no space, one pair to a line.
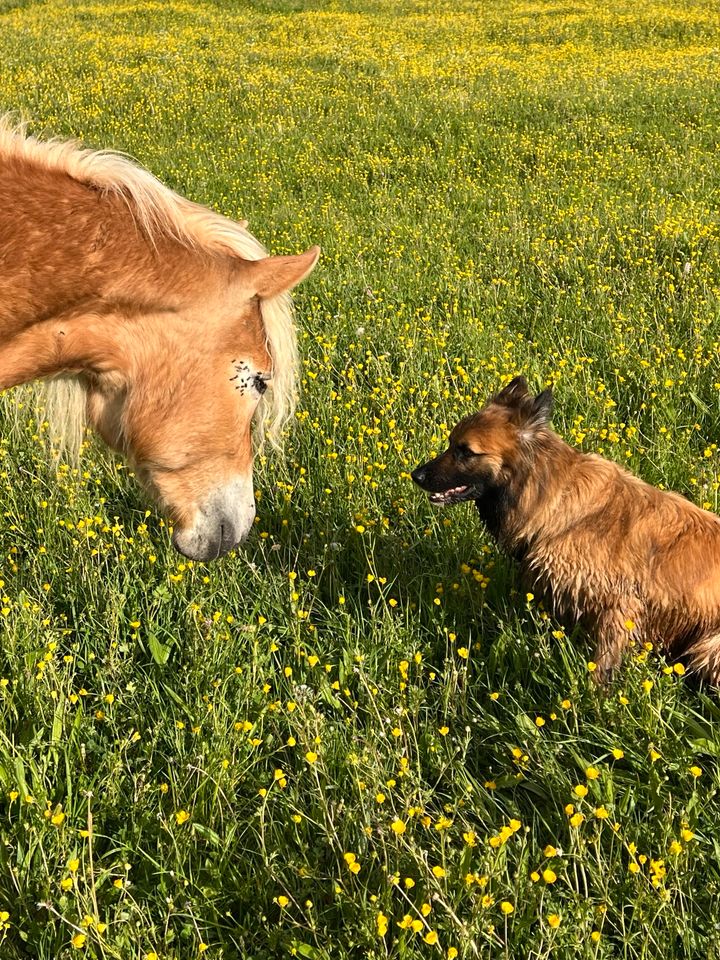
160,212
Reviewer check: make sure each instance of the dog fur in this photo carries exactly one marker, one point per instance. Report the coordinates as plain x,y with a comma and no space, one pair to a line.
624,559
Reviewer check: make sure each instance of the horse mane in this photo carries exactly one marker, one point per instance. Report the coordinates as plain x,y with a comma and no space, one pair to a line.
159,211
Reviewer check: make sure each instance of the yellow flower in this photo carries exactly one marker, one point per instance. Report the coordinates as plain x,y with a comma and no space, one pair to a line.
592,666
675,848
506,907
550,851
580,790
553,920
311,757
73,865
66,883
618,753
431,937
549,876
647,685
78,941
452,953
438,872
695,771
282,901
382,924
181,817
601,813
463,652
398,827
576,819
539,722
592,773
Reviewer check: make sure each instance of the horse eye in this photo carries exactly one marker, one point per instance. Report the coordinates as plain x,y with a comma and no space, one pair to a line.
260,383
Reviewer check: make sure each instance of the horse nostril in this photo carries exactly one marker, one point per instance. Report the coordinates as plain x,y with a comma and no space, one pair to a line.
418,475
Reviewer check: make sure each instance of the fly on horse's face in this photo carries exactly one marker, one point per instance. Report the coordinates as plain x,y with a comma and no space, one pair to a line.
181,407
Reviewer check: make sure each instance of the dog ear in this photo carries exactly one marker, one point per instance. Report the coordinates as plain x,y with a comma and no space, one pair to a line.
513,392
541,409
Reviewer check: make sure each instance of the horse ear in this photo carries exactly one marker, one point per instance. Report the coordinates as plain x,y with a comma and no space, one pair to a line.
273,275
513,392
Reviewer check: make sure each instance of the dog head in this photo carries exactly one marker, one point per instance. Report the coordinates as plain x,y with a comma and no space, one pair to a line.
490,450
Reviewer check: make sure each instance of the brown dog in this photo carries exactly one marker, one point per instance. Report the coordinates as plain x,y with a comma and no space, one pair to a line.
626,560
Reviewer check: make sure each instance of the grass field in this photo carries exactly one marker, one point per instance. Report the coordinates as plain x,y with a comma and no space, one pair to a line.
359,736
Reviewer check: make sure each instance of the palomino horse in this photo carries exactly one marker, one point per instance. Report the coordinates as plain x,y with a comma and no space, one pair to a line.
170,319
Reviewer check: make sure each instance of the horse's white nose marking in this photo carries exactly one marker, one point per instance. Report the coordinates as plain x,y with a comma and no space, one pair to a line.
223,521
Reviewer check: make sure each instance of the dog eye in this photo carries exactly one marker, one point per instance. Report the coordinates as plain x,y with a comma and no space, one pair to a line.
463,451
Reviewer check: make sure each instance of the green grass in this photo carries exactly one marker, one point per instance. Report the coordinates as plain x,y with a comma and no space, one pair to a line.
498,188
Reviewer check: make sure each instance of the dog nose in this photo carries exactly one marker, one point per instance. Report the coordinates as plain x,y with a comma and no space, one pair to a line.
419,474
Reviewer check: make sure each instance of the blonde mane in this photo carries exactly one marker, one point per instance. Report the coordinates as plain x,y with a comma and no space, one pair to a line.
160,211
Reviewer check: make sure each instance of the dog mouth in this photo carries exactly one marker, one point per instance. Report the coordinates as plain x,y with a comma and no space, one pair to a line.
454,495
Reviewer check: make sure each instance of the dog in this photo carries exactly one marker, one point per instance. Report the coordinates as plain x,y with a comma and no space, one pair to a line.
627,561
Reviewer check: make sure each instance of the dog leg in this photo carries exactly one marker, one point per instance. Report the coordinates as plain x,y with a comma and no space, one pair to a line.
703,658
612,636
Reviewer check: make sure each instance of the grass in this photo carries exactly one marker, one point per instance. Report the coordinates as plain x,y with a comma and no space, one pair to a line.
358,736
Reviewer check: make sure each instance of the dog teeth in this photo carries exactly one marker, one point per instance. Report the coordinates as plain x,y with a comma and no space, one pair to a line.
446,495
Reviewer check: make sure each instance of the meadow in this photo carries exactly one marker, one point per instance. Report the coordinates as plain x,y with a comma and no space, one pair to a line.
359,736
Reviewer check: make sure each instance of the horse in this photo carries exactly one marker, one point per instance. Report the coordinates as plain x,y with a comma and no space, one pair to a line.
163,325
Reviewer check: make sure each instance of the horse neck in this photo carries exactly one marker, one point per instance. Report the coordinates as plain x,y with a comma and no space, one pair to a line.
70,247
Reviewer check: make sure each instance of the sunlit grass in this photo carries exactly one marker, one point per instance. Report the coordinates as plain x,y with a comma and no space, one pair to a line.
360,736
